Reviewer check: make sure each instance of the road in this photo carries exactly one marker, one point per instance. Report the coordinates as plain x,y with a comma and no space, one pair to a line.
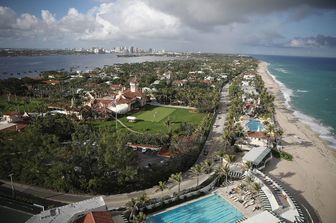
216,133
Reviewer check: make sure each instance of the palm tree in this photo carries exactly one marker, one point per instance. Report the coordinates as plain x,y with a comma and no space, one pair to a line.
221,155
248,180
270,130
197,170
229,158
161,186
247,165
143,198
224,170
255,187
132,207
207,165
239,130
140,218
177,178
241,186
278,134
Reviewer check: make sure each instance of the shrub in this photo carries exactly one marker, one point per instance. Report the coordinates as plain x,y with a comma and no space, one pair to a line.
286,156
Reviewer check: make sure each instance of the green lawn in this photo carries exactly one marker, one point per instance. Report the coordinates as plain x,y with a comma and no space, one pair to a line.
157,125
154,114
148,124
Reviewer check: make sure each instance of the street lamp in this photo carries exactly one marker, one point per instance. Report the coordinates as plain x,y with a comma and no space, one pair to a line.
11,178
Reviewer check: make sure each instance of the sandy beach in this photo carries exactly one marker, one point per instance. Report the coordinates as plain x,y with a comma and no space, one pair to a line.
312,173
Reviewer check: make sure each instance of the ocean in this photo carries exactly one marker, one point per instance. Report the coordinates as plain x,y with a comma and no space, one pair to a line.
309,87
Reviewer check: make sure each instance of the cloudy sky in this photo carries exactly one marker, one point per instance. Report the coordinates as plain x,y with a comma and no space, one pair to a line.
287,27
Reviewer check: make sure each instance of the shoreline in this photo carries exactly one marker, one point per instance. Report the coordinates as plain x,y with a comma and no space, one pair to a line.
324,132
312,173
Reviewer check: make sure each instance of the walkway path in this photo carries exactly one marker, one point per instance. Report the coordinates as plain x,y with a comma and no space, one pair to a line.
125,126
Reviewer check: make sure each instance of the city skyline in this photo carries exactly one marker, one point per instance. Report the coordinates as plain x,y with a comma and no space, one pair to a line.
300,28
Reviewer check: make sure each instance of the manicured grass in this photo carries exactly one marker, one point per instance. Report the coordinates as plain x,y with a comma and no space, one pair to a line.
176,116
154,114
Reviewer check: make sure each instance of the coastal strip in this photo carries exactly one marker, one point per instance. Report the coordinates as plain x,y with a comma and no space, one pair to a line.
312,173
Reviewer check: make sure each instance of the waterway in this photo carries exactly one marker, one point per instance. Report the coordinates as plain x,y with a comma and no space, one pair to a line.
22,66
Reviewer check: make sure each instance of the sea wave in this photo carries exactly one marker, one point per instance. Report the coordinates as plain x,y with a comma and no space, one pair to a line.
324,132
282,70
302,91
286,92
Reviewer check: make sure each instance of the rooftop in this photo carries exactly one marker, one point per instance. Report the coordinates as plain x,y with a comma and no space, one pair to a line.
97,217
256,155
4,125
69,213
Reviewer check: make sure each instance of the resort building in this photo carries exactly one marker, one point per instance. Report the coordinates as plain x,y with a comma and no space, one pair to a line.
71,212
14,121
249,77
122,102
259,156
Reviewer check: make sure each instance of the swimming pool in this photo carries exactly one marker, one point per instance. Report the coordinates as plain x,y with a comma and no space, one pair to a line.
255,125
212,209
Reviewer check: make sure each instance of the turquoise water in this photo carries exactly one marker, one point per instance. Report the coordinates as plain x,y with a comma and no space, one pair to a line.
211,209
255,125
309,86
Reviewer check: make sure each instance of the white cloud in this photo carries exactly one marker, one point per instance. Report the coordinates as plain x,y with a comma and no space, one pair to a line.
130,19
7,17
312,42
47,17
26,22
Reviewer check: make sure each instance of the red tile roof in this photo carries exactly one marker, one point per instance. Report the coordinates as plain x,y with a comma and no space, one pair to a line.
130,95
259,135
97,217
13,113
116,86
20,126
206,81
124,101
165,153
